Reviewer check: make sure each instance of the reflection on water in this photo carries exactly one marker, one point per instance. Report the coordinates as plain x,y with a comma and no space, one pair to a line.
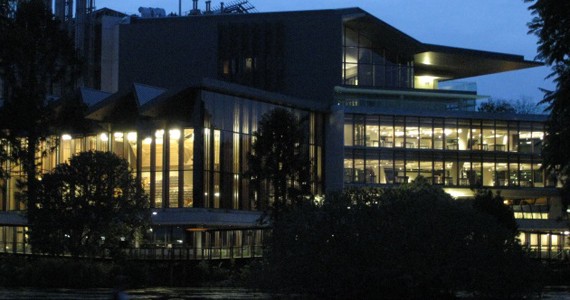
557,293
150,293
552,293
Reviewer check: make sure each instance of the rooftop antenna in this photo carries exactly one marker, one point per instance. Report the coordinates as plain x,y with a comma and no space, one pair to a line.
235,7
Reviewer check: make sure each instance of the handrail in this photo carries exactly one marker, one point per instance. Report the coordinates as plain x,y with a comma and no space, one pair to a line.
166,253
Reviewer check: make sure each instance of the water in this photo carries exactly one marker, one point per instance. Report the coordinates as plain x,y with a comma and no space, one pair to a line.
551,293
149,293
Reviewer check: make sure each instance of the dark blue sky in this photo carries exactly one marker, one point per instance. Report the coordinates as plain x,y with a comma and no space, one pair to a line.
490,25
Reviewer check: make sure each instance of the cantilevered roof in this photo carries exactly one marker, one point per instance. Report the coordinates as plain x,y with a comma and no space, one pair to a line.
454,63
429,59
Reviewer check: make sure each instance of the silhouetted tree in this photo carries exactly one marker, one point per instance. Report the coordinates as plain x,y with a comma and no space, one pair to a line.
279,164
411,241
496,106
524,105
87,206
37,59
493,204
551,24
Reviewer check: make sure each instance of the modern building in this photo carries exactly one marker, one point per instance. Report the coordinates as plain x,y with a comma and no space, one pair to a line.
179,98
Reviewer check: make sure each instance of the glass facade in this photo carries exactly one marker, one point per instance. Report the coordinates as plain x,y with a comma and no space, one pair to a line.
460,154
366,63
546,244
386,149
13,239
229,124
192,164
163,158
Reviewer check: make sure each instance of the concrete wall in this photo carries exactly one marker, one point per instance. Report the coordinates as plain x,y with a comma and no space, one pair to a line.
169,52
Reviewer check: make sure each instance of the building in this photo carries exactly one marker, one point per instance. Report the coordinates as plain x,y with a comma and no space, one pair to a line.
180,97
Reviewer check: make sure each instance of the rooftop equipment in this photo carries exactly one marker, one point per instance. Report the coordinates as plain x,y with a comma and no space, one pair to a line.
152,12
235,7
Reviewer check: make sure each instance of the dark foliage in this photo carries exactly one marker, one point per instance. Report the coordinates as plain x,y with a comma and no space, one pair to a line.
81,273
493,205
37,60
87,207
279,164
412,241
497,106
551,24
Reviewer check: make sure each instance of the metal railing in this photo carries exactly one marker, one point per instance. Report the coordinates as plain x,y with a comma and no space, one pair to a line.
165,253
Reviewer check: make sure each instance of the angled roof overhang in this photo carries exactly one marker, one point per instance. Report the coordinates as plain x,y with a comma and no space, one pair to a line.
124,104
91,97
455,63
176,102
380,32
443,62
143,101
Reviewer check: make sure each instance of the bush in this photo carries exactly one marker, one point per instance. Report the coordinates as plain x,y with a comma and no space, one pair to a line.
413,241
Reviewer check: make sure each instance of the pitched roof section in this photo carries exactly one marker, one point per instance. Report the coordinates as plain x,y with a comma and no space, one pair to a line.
145,93
131,100
91,97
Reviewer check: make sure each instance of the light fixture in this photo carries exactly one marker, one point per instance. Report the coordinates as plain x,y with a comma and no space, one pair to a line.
132,137
174,134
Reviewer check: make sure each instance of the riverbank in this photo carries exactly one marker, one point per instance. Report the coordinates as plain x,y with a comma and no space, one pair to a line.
73,273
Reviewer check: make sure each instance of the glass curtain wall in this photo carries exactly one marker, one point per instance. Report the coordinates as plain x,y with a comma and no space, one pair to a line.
365,63
229,124
447,151
161,159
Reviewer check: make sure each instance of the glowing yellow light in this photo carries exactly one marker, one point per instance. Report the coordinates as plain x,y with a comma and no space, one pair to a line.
147,140
174,134
457,193
118,135
132,137
104,137
66,137
159,133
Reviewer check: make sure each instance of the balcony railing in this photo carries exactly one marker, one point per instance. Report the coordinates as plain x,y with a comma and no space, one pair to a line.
165,253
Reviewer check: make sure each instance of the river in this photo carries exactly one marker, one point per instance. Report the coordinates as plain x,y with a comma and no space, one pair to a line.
551,293
148,293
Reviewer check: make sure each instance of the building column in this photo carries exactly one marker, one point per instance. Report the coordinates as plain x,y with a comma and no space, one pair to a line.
334,154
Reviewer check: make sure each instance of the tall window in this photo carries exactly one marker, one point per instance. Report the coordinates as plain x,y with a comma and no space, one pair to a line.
368,64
